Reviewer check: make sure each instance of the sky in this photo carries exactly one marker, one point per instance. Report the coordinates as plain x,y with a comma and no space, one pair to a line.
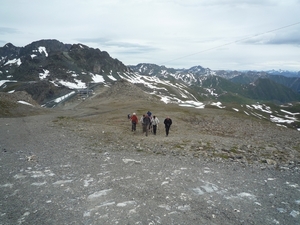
215,34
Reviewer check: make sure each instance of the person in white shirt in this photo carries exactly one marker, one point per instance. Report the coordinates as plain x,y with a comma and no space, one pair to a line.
155,123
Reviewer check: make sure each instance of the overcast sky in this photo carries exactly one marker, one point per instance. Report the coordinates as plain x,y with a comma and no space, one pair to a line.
216,34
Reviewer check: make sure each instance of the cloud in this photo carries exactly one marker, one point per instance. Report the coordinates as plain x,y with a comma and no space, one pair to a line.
120,46
228,34
285,40
7,30
279,38
246,3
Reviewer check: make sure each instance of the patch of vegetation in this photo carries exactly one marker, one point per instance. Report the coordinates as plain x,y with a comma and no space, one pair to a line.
193,119
62,120
234,149
221,155
234,98
62,117
268,90
139,149
267,155
297,147
6,107
179,146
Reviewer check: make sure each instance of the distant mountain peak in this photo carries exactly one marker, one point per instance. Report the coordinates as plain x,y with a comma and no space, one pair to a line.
9,45
56,68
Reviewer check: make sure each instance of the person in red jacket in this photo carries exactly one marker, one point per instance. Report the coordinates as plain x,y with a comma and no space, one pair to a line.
134,121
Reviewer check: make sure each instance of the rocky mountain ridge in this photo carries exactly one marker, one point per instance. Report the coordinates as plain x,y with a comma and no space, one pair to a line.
63,65
51,71
55,60
196,74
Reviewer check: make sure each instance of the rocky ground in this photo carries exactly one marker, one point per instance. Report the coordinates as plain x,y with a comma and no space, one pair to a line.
211,133
80,163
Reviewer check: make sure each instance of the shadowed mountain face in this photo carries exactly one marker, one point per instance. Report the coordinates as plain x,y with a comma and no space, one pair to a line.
48,69
57,60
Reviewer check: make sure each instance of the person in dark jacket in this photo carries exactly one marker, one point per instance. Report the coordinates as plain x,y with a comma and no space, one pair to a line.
142,122
146,123
168,123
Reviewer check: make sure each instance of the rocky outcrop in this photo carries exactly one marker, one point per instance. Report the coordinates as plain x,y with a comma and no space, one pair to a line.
59,59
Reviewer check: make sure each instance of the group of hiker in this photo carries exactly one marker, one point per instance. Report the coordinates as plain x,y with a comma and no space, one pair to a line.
149,123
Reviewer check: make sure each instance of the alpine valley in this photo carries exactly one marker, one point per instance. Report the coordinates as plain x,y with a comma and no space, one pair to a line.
51,73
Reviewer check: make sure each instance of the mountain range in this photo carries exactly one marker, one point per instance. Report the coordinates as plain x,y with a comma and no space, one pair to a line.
50,71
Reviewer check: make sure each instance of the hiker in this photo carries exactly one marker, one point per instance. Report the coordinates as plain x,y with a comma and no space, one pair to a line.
134,121
155,123
146,122
168,123
142,122
150,116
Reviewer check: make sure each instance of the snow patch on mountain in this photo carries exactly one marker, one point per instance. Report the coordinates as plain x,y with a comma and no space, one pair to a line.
43,49
57,100
276,119
97,78
218,104
13,61
25,103
79,84
161,88
44,75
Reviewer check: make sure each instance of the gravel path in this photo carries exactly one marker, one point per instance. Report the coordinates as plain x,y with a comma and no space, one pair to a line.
56,171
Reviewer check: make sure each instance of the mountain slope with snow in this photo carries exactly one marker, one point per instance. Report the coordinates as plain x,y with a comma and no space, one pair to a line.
52,72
